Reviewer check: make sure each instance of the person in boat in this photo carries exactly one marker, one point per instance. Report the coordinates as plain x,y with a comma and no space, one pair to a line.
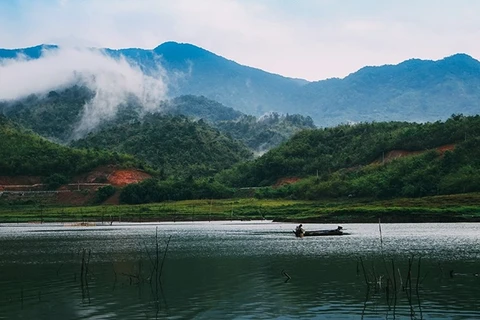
299,229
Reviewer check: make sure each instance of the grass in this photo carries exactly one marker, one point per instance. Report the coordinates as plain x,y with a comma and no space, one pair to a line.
450,208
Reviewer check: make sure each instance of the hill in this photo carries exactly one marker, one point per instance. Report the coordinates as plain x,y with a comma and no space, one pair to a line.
174,144
25,153
344,160
34,170
54,115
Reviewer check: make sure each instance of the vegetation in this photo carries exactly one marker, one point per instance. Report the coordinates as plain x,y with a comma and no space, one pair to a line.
332,155
266,132
463,207
103,193
53,116
25,153
174,144
152,190
196,107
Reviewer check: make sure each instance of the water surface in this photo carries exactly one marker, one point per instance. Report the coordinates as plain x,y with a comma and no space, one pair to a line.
239,270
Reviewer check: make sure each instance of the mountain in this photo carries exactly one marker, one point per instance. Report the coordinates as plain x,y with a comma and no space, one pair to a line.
57,114
31,53
414,90
258,134
196,71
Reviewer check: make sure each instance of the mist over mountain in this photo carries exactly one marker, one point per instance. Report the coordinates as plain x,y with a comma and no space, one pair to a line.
58,114
113,81
414,90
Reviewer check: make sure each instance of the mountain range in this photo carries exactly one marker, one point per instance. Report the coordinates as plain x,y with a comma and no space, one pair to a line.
414,90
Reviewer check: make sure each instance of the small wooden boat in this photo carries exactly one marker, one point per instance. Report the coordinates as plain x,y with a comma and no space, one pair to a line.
299,232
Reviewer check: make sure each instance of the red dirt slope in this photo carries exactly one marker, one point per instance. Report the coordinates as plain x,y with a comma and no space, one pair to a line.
395,154
123,177
82,188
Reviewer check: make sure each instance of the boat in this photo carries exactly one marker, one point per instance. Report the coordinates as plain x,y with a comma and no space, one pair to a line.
299,232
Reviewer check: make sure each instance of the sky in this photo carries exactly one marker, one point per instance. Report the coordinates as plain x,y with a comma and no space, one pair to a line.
309,39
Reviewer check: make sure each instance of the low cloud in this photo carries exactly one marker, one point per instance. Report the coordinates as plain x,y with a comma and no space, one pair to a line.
114,81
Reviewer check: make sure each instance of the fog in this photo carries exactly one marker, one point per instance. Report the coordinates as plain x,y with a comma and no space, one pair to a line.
112,80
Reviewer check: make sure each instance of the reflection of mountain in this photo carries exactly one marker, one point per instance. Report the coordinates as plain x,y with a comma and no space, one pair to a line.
415,90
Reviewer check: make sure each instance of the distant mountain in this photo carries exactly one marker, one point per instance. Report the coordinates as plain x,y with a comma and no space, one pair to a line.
196,71
31,53
414,90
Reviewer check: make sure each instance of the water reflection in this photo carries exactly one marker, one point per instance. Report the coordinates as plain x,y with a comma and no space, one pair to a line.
238,270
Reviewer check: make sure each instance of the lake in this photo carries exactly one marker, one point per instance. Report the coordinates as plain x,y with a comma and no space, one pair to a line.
239,270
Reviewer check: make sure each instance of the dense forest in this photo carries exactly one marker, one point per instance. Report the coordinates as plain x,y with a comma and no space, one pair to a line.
325,151
53,115
26,153
348,161
204,155
175,145
57,116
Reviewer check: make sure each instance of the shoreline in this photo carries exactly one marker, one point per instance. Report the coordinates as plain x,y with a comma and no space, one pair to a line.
317,220
450,208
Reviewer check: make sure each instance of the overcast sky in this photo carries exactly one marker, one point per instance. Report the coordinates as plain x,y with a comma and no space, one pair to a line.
310,39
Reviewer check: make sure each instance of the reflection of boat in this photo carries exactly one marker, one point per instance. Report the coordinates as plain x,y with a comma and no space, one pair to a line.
299,232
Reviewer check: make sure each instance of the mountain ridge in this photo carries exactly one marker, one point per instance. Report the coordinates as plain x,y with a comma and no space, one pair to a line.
413,90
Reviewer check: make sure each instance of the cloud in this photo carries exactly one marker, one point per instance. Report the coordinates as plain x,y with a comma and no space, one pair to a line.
114,81
313,39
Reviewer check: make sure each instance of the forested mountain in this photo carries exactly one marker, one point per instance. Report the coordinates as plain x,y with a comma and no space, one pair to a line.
414,90
56,116
266,132
177,146
258,134
347,160
25,153
195,71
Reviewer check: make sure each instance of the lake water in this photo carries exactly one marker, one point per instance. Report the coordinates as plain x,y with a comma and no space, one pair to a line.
239,270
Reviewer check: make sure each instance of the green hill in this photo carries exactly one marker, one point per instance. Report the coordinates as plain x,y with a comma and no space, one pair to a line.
174,144
54,115
26,153
347,160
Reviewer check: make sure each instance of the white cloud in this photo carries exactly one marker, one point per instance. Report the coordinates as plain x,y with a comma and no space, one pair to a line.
112,80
